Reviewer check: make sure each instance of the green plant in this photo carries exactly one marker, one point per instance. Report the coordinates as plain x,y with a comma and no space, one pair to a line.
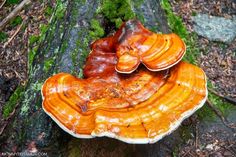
16,21
96,29
14,99
117,11
33,39
9,2
48,11
3,36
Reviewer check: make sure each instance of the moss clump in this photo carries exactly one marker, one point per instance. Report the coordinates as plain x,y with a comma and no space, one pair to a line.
222,105
33,39
48,64
11,103
117,11
16,21
48,11
43,28
81,52
96,29
185,133
3,36
10,2
60,10
174,21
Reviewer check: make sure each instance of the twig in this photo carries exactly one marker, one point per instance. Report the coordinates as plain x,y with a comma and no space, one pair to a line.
186,153
14,13
219,114
12,37
3,3
231,100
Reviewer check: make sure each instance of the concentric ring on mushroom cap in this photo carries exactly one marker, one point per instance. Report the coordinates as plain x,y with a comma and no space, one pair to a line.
182,94
135,44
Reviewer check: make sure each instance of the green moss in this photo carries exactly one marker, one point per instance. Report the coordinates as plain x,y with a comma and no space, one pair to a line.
185,133
29,97
81,52
48,11
96,31
74,58
60,10
16,21
205,113
3,36
11,103
10,2
117,11
37,86
31,92
174,21
194,13
33,39
48,64
176,151
43,28
36,40
220,104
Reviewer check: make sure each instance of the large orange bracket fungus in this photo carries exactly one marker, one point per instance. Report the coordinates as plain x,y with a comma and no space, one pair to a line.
141,107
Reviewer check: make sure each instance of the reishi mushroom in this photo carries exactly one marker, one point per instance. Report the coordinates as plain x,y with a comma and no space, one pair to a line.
141,107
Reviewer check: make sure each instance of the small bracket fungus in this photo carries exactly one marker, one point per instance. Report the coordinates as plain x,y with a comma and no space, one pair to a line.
136,44
141,107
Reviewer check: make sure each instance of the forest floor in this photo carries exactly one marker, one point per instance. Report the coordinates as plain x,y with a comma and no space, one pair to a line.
17,39
217,59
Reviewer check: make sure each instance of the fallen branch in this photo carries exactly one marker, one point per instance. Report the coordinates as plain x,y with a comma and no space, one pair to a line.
13,36
3,3
220,115
230,100
14,13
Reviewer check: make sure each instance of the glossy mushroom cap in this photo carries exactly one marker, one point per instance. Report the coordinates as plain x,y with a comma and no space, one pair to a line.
135,45
141,107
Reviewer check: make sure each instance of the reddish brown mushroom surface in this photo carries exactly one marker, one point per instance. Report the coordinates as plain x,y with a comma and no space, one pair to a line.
141,107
